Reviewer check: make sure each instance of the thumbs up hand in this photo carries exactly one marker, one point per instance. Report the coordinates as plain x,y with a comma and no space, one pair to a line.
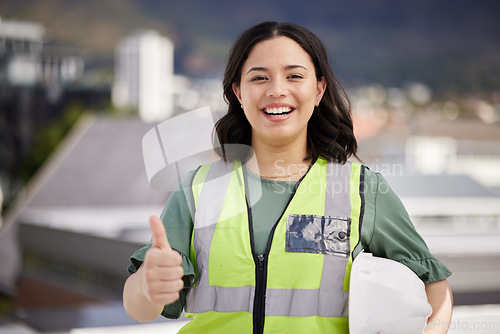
162,268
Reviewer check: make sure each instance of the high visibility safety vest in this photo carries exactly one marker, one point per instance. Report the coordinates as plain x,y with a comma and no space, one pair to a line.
301,283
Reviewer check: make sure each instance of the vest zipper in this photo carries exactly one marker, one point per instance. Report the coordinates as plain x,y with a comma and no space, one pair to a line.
259,305
259,301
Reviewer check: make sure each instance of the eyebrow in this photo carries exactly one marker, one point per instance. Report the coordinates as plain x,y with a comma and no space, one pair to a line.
288,67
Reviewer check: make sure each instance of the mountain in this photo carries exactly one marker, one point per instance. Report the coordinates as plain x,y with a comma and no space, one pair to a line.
450,45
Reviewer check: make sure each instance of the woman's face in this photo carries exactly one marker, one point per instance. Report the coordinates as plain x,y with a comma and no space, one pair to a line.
278,91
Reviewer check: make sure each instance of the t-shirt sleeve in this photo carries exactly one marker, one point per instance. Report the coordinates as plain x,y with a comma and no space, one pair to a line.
388,232
176,217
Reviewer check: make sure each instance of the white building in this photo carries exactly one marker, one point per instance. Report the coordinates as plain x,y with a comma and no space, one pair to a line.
29,60
144,75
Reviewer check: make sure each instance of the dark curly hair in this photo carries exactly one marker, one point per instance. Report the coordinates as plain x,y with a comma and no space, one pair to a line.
330,128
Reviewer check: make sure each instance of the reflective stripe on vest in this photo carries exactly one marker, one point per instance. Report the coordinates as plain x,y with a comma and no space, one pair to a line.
221,210
205,297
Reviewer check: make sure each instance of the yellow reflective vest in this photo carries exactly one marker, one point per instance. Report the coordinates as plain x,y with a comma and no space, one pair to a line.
301,283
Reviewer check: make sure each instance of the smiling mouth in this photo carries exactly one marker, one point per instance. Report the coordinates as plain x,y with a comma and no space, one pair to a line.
277,112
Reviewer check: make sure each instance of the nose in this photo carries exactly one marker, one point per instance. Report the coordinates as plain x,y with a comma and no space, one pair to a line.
276,88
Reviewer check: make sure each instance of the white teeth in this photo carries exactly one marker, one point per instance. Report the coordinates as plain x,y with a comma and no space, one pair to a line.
280,110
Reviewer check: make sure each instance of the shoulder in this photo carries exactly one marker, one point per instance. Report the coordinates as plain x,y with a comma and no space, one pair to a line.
370,178
378,194
375,182
381,198
187,180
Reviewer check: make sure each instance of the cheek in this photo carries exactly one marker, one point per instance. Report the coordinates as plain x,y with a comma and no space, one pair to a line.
254,92
246,94
309,92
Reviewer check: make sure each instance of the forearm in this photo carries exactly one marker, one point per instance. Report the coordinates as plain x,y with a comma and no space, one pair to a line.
135,301
441,300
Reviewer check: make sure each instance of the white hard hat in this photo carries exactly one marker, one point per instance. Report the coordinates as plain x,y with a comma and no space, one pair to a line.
386,296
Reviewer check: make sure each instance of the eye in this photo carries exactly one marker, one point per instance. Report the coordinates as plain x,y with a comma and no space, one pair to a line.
295,76
258,78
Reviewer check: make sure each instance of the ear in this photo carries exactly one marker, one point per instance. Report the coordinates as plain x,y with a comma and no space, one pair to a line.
320,90
237,91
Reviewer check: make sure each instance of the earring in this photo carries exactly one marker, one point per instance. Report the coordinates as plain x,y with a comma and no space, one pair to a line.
242,107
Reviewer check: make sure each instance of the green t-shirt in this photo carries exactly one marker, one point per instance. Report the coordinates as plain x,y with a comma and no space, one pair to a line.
386,229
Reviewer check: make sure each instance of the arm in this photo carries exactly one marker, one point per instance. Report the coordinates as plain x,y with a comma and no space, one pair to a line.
441,299
157,282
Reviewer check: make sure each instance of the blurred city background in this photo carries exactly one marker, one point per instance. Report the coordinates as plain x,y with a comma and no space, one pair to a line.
81,83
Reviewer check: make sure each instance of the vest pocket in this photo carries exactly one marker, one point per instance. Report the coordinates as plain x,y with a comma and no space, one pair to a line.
318,234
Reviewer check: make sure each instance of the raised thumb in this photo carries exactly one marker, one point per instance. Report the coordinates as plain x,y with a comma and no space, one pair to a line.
159,234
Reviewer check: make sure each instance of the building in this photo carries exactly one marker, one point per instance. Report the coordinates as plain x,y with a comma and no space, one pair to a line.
144,75
32,77
447,175
79,219
38,80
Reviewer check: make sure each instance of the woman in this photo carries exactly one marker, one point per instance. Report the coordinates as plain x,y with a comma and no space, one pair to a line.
264,239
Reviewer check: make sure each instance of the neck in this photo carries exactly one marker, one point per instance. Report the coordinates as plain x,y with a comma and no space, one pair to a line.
284,162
